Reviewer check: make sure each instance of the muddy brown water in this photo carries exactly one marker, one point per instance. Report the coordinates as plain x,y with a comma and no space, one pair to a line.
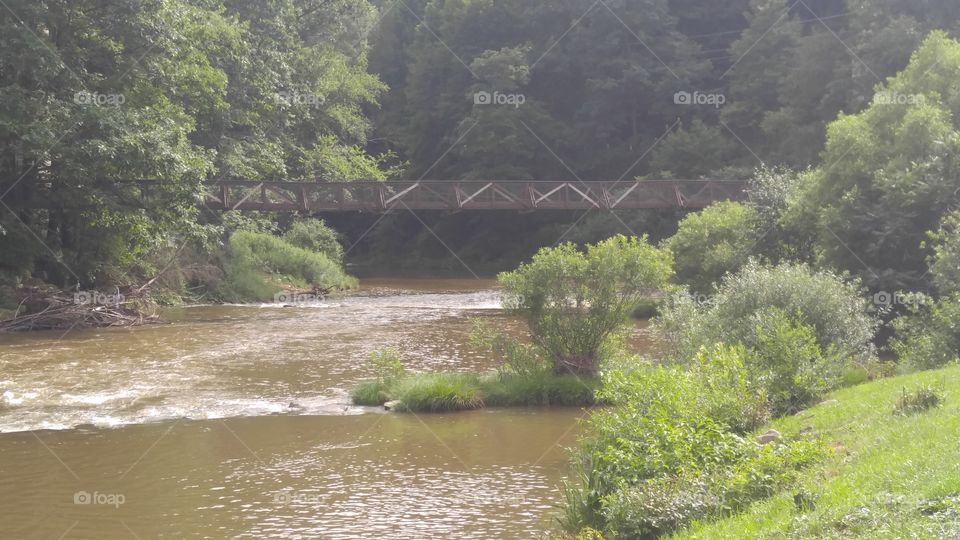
234,422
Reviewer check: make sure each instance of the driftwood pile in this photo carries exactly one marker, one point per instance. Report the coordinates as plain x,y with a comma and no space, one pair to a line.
53,309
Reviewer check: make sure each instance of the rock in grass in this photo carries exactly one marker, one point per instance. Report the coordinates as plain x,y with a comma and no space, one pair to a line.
768,437
391,404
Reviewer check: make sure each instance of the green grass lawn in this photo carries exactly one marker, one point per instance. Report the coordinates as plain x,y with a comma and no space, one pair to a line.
889,475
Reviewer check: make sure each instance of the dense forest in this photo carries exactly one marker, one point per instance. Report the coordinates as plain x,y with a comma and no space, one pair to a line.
735,370
99,92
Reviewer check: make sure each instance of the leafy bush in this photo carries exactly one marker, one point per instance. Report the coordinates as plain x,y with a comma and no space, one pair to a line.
260,264
840,317
314,235
721,387
919,400
928,336
523,359
660,505
388,364
787,363
657,506
576,302
711,243
945,261
673,449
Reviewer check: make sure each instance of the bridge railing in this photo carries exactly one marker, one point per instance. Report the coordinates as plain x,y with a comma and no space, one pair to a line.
468,195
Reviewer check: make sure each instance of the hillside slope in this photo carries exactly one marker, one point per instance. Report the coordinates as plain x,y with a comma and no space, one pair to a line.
890,475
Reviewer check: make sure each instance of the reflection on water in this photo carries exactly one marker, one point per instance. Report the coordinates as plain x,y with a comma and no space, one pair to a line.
484,474
233,421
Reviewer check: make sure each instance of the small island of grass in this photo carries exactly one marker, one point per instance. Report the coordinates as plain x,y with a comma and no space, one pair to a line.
577,305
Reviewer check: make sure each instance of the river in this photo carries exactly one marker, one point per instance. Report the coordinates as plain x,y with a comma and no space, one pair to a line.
234,422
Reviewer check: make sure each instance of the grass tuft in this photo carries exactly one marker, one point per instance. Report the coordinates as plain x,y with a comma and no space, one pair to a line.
442,392
919,400
370,393
439,392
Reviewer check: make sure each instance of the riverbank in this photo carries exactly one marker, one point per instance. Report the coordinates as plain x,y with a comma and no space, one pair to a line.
888,475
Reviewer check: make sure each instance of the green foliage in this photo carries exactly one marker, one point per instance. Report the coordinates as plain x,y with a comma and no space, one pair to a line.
371,393
523,359
575,303
663,504
945,261
841,318
724,385
927,336
670,450
176,91
314,235
918,400
711,243
261,265
388,365
888,476
695,151
888,174
438,392
787,363
541,390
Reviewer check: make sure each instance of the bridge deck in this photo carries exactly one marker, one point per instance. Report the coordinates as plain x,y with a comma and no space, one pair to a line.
368,196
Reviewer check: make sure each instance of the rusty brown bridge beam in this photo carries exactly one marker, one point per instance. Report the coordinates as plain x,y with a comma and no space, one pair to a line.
372,196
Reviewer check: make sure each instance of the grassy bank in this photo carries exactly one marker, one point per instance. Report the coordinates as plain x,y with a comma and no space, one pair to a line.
889,475
438,392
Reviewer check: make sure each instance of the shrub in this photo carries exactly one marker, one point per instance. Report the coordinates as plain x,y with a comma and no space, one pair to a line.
388,367
657,506
722,388
928,336
576,302
919,400
672,448
314,235
840,317
524,359
711,243
388,364
787,363
255,257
